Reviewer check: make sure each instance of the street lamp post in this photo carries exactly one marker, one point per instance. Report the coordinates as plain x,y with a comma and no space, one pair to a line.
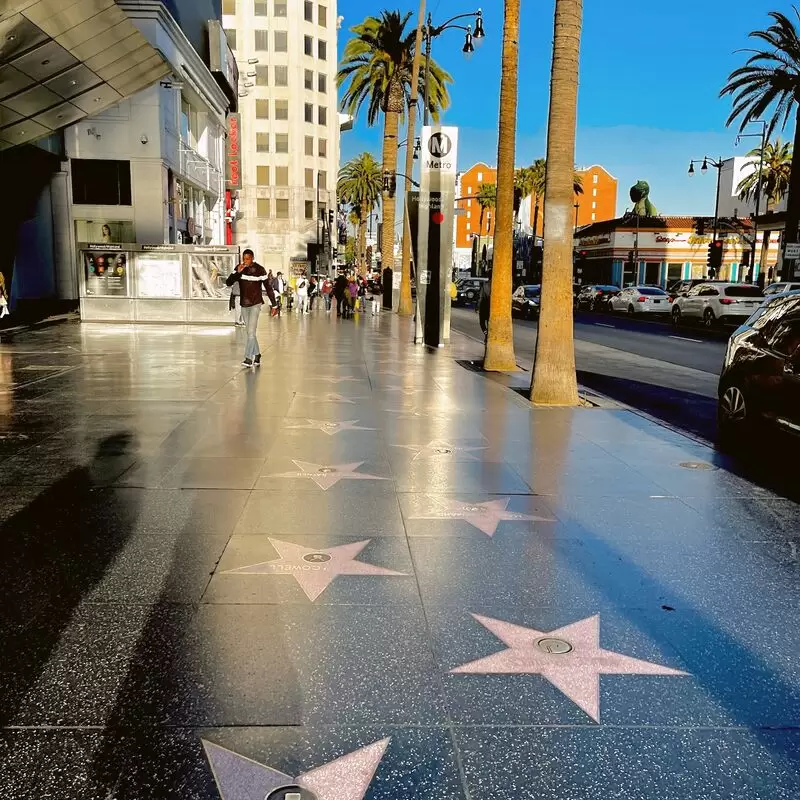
763,137
718,164
473,37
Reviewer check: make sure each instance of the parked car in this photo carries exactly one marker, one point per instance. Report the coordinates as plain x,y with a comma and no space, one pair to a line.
468,290
595,297
684,287
760,381
717,303
641,300
780,288
525,301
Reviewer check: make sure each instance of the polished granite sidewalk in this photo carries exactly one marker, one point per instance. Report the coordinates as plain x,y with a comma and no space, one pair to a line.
364,571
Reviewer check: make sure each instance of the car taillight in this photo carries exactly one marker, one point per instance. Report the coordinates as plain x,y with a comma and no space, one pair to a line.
642,299
727,301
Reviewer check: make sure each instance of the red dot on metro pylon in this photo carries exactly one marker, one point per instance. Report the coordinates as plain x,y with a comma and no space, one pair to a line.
437,217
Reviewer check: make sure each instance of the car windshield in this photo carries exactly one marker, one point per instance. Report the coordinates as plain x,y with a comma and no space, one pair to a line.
652,291
743,291
532,291
607,288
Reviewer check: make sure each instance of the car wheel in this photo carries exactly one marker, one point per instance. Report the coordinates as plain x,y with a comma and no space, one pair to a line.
631,310
470,296
733,417
676,316
709,320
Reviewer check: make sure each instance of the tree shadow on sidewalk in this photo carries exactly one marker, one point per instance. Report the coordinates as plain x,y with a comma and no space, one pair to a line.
54,555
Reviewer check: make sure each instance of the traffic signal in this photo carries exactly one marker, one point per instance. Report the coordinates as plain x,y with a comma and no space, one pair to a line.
714,258
701,227
330,218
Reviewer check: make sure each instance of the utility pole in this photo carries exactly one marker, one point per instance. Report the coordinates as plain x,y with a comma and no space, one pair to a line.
405,303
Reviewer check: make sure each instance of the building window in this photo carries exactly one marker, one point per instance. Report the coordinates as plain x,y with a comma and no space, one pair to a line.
309,209
323,179
262,176
262,207
262,75
469,215
280,8
309,11
282,76
322,83
262,40
469,191
308,45
323,148
594,192
281,142
262,109
469,227
594,205
322,50
310,146
281,42
228,6
230,35
309,112
309,179
262,142
282,110
309,80
480,177
595,179
322,17
282,209
261,8
322,114
281,176
594,217
100,182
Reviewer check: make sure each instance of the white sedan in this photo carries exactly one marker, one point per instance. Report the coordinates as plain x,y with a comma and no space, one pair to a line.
642,300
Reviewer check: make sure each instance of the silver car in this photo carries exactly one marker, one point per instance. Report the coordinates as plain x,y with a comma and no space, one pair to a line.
717,303
641,300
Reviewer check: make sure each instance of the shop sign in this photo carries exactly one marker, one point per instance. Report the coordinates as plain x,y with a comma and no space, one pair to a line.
233,156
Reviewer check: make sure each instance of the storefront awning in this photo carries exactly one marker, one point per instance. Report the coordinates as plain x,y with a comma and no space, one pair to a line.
63,60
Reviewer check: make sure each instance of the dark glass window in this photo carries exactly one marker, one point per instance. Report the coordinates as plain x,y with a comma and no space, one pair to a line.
101,183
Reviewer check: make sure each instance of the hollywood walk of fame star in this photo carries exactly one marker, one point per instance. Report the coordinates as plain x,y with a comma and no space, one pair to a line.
570,658
314,568
414,412
440,448
484,516
343,379
331,428
346,778
325,475
330,397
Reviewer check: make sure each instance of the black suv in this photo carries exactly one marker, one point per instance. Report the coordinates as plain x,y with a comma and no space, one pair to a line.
468,290
760,381
595,297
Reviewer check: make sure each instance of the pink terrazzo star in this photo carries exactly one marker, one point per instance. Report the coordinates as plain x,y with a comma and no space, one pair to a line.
331,428
346,778
484,516
314,568
326,476
329,397
570,658
440,449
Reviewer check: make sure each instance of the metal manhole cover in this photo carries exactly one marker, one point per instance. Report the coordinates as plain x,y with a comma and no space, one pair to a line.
291,793
554,647
697,465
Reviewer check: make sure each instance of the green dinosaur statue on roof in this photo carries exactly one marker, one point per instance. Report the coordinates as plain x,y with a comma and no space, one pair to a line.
640,195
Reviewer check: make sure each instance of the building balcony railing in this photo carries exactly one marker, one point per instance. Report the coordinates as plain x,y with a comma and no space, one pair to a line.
199,170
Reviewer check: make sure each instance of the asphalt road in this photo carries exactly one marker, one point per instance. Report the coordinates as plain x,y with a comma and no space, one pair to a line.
647,364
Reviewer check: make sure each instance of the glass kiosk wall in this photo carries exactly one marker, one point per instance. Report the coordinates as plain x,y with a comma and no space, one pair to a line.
156,283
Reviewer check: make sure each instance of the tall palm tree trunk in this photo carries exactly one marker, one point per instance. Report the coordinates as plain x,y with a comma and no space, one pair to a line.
500,341
536,218
554,381
793,203
404,307
394,108
362,237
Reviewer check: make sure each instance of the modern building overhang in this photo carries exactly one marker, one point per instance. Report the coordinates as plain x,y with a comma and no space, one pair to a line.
64,60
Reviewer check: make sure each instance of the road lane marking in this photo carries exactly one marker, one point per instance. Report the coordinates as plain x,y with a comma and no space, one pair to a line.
686,339
604,325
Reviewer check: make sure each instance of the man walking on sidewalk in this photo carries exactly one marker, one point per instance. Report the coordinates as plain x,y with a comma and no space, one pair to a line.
251,277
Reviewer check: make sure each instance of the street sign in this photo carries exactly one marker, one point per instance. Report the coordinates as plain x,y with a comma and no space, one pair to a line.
791,250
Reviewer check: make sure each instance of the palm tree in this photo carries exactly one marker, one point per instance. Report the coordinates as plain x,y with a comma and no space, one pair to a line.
360,185
500,338
775,171
554,381
523,182
376,68
486,198
538,181
768,87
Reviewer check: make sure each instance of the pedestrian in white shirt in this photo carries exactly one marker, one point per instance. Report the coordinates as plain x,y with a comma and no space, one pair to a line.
302,294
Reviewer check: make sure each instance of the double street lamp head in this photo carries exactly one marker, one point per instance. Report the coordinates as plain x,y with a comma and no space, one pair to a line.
479,34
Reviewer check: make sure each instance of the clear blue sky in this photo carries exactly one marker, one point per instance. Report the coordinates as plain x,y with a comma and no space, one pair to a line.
648,100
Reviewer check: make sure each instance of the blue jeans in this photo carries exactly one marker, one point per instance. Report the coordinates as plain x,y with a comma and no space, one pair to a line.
251,315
